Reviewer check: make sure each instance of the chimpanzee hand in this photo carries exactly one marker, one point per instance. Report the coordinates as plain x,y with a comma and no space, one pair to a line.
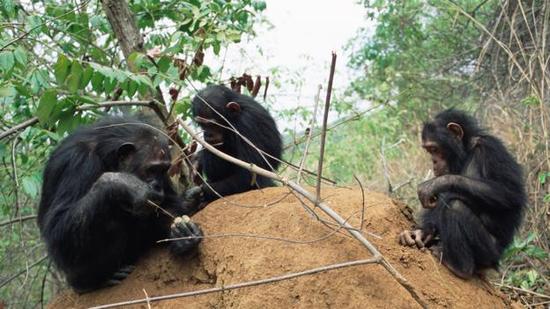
193,200
183,227
132,192
426,193
416,237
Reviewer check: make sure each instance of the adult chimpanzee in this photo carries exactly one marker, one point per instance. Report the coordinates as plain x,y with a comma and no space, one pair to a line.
475,202
250,119
97,213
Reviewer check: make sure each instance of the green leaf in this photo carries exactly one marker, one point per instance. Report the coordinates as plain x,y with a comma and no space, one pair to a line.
543,177
131,88
164,63
7,91
31,186
20,55
7,60
61,69
259,5
46,106
74,78
109,84
97,82
86,76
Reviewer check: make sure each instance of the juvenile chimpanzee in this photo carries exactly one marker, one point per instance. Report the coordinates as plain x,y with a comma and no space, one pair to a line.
97,213
475,202
252,121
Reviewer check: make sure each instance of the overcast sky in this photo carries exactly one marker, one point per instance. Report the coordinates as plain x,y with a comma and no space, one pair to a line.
304,34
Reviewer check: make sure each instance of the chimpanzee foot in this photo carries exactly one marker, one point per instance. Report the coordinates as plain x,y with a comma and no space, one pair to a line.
120,275
188,232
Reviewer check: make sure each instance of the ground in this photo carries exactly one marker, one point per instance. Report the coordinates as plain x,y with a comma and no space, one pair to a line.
231,255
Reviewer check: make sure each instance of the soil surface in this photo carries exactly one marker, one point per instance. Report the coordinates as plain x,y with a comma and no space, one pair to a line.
294,240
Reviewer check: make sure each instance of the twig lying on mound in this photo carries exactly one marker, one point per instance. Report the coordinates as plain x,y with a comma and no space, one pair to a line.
244,284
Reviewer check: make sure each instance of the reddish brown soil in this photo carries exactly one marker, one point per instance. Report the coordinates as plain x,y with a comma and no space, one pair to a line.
228,260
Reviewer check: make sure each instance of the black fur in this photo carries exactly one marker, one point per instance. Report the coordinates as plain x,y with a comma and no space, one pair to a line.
93,214
255,123
476,219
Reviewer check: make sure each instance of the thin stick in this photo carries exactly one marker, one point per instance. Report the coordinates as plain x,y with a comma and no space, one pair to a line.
522,290
19,219
309,134
362,201
151,203
34,120
244,284
356,116
324,130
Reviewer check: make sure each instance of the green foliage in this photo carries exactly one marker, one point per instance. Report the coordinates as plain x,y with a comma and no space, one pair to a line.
420,56
516,253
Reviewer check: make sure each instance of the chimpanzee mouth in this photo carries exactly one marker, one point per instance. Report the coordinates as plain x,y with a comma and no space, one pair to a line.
214,142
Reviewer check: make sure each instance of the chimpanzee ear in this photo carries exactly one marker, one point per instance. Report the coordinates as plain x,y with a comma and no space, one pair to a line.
125,150
233,106
456,130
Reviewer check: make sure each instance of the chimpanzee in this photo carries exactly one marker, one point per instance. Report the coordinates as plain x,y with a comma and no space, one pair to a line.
97,213
475,202
250,119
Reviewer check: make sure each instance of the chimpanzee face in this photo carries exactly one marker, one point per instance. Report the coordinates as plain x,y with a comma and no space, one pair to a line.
443,141
213,125
212,131
439,164
148,161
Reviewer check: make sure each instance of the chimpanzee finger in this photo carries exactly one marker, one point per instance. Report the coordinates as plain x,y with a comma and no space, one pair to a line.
418,239
406,238
195,229
183,229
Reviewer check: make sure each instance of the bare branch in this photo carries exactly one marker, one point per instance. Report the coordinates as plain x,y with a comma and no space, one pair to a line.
16,220
324,130
244,284
309,134
34,120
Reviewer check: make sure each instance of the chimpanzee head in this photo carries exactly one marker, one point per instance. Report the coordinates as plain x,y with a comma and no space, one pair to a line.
137,148
225,102
447,139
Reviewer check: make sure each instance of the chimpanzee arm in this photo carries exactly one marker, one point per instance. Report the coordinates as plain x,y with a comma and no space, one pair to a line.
84,225
485,195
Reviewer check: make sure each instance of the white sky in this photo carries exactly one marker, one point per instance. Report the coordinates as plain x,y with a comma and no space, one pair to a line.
304,34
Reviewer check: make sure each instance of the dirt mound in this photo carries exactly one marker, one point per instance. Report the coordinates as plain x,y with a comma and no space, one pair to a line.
233,255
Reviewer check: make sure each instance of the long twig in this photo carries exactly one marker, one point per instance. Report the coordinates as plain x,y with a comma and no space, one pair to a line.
522,290
362,201
309,134
324,129
19,219
34,120
244,284
345,120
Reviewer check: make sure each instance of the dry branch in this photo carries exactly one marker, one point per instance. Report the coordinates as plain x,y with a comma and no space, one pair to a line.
27,123
244,284
324,129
